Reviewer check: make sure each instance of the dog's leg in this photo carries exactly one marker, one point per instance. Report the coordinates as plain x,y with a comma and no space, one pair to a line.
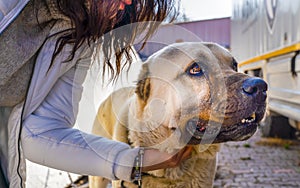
108,123
98,182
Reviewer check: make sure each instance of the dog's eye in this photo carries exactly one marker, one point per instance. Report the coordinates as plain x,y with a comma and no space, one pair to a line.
195,70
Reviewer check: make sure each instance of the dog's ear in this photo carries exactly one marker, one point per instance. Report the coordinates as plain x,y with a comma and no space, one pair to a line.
143,85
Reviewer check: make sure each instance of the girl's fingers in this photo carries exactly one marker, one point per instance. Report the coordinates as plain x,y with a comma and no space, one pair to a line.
153,159
187,153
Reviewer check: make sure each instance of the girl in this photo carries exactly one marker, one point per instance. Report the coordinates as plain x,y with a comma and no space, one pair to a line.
40,52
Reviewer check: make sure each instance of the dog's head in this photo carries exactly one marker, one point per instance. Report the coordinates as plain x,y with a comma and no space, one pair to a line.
193,90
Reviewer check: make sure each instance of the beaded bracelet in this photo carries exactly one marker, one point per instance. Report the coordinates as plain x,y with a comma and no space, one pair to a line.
138,163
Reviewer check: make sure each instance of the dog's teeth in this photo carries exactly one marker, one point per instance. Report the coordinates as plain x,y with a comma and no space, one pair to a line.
250,119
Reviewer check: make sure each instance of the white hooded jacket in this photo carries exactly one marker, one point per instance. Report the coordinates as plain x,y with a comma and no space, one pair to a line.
47,136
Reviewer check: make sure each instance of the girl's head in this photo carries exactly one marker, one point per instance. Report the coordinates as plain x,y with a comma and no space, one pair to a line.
98,20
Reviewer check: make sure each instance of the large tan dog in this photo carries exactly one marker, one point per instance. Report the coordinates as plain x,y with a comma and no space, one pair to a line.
188,94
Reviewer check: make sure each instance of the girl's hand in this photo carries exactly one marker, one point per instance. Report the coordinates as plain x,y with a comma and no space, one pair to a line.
154,159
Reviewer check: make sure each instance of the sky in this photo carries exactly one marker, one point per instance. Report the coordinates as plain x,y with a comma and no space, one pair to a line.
206,9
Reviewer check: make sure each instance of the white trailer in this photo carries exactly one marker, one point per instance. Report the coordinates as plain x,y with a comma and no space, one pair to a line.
265,38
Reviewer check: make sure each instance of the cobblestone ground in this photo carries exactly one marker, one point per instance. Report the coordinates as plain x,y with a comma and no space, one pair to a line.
259,162
43,177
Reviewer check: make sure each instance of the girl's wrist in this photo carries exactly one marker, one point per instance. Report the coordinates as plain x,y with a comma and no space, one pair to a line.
137,168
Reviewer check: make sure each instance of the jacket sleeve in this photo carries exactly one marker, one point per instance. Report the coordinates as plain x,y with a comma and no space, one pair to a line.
67,149
48,136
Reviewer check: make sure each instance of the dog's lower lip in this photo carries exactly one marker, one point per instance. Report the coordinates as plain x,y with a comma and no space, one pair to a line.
202,131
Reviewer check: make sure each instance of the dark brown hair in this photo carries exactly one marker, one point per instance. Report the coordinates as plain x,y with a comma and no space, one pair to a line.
98,20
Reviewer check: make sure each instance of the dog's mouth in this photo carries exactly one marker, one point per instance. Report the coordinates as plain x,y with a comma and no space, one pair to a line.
203,131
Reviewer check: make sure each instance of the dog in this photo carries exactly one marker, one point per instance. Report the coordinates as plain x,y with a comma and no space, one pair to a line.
187,94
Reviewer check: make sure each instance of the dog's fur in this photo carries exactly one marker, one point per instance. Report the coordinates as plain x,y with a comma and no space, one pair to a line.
168,96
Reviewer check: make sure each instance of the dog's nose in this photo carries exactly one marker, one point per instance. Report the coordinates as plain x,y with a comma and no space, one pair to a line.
255,87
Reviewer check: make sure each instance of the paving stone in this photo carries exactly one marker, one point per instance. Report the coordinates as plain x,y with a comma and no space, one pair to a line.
258,165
